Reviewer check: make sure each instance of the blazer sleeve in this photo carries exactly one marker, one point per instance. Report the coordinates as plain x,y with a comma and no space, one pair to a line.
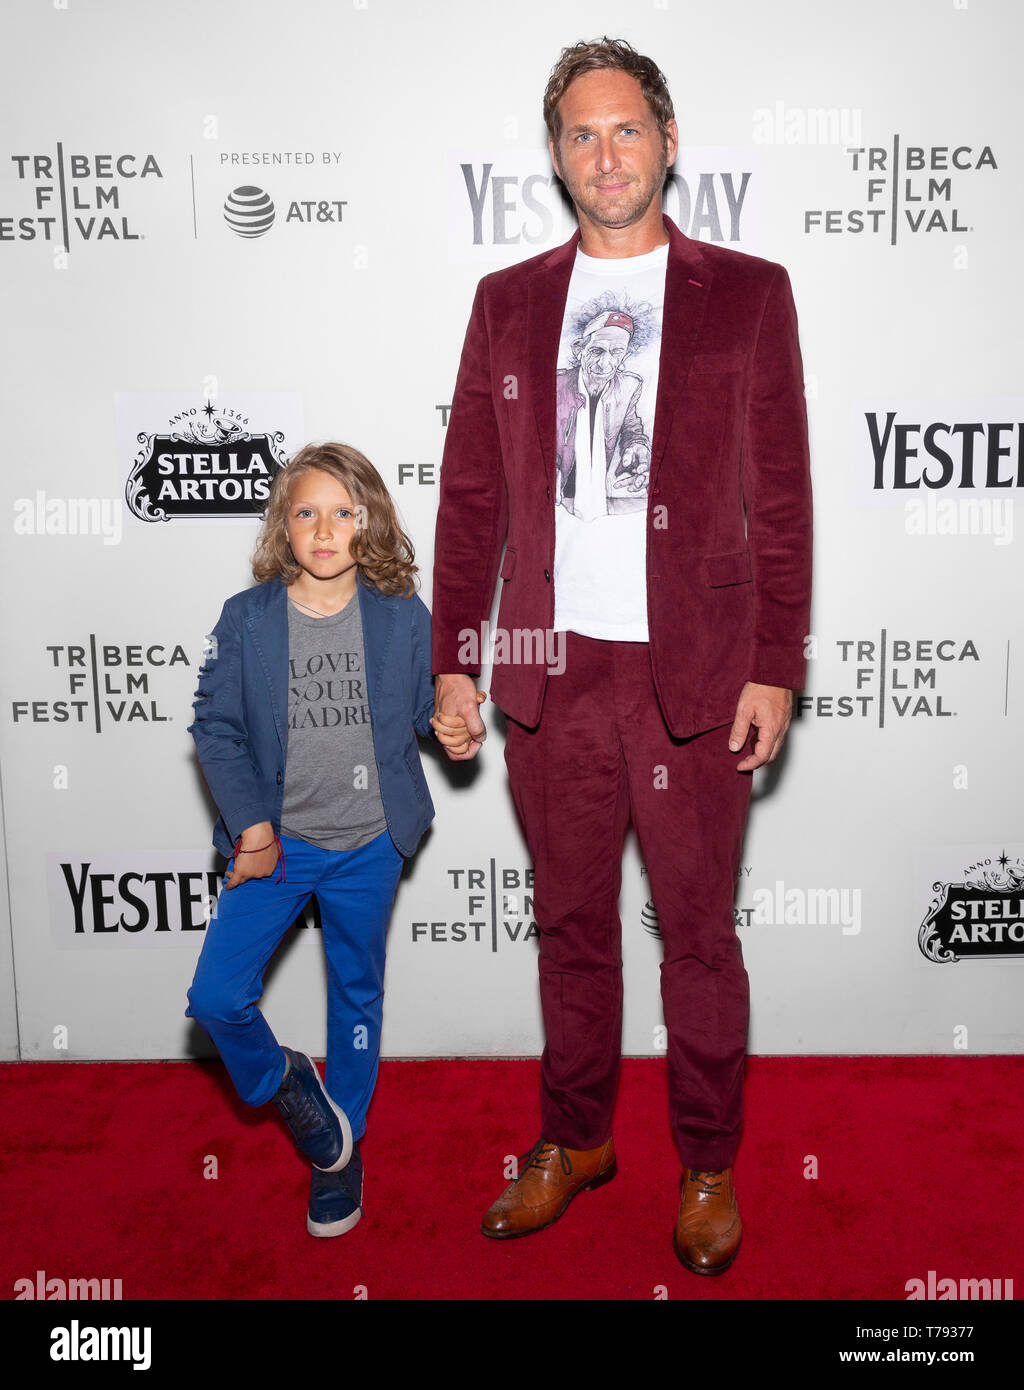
776,481
472,517
422,680
220,733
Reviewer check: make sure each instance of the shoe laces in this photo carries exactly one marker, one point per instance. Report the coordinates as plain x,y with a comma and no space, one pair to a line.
301,1108
704,1177
538,1157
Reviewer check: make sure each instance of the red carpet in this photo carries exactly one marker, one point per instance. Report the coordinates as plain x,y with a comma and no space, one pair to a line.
918,1170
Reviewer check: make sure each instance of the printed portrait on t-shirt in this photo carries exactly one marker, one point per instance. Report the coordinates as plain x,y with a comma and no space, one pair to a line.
604,415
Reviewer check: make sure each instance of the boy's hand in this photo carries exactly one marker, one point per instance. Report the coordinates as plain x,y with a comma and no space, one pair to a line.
260,865
453,731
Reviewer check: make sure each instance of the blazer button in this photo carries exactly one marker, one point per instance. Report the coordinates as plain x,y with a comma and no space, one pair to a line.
547,576
280,778
549,492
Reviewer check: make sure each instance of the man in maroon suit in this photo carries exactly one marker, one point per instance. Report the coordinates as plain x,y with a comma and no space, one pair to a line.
682,618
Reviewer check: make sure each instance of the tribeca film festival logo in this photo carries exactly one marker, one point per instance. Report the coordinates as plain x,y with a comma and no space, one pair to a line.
982,917
894,678
515,200
106,682
492,904
936,457
66,198
904,189
783,905
207,465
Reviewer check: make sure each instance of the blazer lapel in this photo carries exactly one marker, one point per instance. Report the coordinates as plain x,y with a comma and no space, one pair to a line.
687,288
267,622
546,295
378,628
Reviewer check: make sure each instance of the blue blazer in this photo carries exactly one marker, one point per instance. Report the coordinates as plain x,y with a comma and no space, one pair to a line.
241,709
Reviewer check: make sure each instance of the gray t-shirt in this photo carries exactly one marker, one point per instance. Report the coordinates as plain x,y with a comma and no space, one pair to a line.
331,789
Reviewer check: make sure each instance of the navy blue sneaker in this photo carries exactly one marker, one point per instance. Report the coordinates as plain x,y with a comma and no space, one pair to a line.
335,1199
320,1128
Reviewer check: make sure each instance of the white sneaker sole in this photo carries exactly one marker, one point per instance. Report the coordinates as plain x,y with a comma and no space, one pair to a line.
335,1228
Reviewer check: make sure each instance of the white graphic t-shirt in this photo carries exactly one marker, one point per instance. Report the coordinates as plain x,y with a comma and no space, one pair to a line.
605,389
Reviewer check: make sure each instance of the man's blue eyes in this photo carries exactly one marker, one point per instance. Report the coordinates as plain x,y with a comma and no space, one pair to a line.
626,130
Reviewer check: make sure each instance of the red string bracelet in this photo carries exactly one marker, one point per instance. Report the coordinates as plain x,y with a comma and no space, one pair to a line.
275,841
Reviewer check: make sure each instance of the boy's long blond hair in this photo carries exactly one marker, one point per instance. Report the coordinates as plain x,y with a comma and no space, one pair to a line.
379,546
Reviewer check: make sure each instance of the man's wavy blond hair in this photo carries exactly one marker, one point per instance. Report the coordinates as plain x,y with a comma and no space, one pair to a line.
601,55
379,546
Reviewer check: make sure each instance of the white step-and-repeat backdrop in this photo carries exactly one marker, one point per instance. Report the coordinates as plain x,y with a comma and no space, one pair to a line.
229,229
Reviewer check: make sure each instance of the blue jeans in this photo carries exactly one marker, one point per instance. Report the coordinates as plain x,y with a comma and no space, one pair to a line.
355,890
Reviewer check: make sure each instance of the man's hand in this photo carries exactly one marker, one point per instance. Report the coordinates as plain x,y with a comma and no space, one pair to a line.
769,708
451,730
456,699
262,865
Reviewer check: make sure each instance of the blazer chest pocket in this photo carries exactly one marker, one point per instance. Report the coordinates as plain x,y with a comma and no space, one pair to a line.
719,362
732,568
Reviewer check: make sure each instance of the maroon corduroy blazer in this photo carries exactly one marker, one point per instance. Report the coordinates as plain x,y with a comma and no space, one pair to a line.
729,502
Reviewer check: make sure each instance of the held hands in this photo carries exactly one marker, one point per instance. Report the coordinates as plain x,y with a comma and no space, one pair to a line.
458,725
262,863
769,708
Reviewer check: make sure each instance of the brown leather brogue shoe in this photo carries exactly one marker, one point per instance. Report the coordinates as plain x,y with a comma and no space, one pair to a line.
708,1228
549,1178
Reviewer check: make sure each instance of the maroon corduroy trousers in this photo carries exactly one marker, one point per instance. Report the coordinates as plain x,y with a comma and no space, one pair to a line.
600,757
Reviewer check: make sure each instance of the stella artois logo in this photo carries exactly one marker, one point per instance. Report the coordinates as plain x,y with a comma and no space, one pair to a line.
208,464
981,917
